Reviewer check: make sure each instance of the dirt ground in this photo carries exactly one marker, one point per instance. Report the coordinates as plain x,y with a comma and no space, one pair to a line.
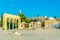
41,34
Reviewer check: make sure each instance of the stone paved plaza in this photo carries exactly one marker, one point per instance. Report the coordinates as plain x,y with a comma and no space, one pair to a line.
41,34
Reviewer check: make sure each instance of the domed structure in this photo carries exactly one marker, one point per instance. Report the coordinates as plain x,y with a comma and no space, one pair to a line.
50,18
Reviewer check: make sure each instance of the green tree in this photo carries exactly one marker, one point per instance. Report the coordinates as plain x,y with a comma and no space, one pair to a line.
22,16
27,20
0,23
31,19
55,17
2,20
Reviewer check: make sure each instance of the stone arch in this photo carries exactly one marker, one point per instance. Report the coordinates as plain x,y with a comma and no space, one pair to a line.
11,21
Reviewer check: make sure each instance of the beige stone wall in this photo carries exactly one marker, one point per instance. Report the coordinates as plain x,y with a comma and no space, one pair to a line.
37,25
49,22
23,25
31,25
46,23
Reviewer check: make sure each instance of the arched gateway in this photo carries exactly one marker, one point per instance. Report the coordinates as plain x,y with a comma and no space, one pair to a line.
11,21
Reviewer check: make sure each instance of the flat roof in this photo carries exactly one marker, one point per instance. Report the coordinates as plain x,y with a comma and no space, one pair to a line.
10,14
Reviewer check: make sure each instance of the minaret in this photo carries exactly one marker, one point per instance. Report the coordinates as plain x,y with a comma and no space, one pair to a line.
19,12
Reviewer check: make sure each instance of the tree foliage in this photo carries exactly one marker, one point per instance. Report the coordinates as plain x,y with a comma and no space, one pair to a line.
0,23
55,17
27,20
22,16
31,19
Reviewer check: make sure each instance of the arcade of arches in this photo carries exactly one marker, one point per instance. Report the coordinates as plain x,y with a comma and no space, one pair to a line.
11,21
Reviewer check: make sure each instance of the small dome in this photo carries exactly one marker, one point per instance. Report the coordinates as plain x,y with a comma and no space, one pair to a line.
51,18
45,16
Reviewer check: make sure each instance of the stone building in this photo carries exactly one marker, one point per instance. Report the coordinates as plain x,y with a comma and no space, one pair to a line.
23,25
36,24
41,20
31,25
11,21
49,23
26,25
58,19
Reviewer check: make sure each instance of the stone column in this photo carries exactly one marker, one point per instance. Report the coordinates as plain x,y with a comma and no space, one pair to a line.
35,24
13,24
19,23
16,24
9,25
4,23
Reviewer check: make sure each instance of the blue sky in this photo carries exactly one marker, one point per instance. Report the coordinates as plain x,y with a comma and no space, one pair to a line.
31,8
